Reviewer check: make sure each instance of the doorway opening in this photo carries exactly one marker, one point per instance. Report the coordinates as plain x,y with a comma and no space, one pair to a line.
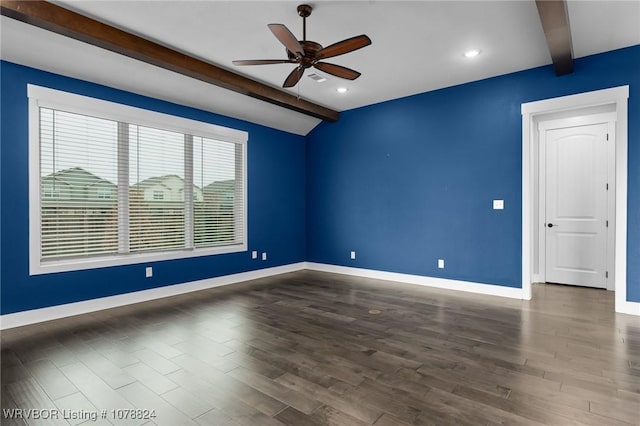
609,106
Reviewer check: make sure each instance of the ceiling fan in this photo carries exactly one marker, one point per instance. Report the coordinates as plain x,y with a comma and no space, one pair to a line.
307,53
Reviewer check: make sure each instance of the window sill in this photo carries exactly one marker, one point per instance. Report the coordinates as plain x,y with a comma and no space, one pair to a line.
79,264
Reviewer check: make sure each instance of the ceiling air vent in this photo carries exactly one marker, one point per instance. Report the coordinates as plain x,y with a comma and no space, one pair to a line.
316,77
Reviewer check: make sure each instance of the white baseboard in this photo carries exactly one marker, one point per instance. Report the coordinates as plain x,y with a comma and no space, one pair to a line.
487,289
70,309
625,307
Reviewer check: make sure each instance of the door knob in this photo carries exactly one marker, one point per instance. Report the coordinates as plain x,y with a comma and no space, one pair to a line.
550,225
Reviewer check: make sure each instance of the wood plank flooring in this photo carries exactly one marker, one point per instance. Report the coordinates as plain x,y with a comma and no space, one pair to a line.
304,349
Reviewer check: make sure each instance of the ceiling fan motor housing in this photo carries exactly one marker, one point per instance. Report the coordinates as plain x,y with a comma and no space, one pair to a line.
310,48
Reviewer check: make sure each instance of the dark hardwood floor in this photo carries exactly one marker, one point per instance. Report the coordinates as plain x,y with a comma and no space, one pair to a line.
305,349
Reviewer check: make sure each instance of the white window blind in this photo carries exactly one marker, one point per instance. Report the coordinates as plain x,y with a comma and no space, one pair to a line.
156,191
78,167
118,185
218,201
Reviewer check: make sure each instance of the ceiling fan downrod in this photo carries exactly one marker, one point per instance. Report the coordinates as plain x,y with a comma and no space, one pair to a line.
304,10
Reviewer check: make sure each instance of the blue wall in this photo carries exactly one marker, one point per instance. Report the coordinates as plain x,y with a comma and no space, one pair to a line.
276,196
409,181
403,183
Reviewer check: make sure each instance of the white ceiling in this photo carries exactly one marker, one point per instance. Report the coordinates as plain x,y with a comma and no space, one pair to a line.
417,47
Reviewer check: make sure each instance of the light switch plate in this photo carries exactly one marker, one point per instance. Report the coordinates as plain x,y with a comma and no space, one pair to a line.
498,204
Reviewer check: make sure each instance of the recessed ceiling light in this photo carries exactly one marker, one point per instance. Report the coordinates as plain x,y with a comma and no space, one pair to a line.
471,53
342,90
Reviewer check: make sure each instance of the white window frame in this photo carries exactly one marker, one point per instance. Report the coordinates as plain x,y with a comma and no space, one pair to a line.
103,194
42,97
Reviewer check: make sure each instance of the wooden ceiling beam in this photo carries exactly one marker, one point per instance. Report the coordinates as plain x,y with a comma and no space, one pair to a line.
71,24
555,23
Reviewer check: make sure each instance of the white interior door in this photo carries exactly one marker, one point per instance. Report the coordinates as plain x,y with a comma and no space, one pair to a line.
576,205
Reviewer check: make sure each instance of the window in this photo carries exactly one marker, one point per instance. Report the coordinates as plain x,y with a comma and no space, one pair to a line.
104,194
109,184
214,163
50,193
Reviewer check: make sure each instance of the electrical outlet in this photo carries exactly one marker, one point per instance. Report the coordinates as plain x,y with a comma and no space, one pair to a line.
498,204
148,272
353,254
254,254
441,263
264,255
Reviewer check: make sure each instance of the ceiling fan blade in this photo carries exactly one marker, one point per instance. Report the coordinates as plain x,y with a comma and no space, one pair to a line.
337,70
344,46
285,37
262,62
294,77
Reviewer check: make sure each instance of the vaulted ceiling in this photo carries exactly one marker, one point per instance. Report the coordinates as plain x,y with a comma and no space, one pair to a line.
417,46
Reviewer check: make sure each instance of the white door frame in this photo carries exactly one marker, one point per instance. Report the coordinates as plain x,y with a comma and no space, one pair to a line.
587,117
531,111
